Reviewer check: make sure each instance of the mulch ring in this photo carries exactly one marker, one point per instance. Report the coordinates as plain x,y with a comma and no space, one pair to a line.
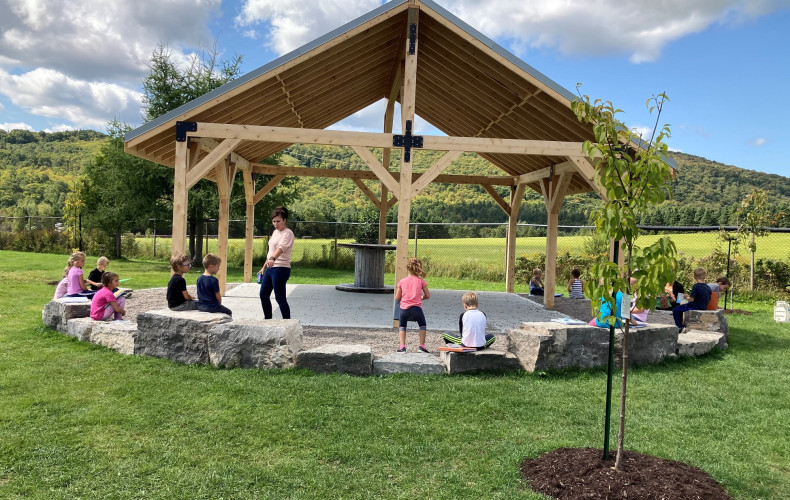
571,473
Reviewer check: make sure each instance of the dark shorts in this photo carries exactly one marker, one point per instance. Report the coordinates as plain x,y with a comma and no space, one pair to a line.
413,313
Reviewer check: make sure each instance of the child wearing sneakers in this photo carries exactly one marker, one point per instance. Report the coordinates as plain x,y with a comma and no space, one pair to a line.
412,290
471,326
698,300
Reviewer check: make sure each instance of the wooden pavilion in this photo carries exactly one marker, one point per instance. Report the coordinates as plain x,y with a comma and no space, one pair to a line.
412,52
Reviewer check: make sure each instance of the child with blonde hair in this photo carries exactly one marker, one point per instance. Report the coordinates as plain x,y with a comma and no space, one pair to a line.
94,277
178,299
411,291
471,326
76,286
105,305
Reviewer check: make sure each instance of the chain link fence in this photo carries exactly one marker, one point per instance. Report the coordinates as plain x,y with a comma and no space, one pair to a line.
458,250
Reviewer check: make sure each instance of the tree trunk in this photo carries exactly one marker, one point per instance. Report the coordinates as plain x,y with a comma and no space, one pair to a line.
192,238
118,243
198,257
623,383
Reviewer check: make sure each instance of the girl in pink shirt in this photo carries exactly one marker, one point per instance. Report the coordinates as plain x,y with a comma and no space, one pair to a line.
105,306
412,290
76,283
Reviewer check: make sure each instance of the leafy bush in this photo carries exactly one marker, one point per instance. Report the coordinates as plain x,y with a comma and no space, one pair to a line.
36,240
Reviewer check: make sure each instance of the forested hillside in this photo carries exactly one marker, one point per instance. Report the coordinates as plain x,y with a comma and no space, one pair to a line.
37,170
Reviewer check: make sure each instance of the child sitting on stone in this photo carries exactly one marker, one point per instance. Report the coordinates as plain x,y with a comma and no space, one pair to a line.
471,326
178,299
209,297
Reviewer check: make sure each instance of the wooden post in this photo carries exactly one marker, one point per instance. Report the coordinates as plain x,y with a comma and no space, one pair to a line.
553,189
385,161
407,115
249,227
180,193
516,196
224,174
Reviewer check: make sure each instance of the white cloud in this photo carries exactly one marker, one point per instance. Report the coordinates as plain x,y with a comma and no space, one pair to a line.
632,27
296,22
760,141
98,39
605,27
60,128
16,126
52,94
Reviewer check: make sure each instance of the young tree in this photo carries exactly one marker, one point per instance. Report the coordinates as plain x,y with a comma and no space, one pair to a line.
753,216
122,191
166,87
634,175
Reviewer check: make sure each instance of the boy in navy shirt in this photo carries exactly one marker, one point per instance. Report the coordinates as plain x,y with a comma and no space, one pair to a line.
209,298
698,300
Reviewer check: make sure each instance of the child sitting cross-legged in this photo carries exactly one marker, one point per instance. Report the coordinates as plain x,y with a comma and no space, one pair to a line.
209,298
105,305
471,326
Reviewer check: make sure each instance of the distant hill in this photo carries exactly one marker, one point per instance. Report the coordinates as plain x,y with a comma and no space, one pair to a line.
36,169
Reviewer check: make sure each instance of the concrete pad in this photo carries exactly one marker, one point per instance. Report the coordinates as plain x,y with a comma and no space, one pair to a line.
418,362
323,305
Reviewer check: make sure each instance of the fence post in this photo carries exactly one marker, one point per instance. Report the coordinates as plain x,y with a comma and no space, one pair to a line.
154,237
336,226
416,225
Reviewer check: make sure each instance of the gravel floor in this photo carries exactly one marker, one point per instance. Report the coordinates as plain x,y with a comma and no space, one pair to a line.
382,340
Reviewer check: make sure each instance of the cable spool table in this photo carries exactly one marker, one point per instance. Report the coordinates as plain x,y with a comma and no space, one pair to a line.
368,268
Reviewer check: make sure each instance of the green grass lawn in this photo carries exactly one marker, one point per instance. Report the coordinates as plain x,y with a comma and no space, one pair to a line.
79,420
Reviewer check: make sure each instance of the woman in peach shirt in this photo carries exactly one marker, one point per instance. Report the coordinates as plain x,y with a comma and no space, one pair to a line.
277,268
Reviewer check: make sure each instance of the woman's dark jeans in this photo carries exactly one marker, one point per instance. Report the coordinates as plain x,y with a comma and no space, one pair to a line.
274,278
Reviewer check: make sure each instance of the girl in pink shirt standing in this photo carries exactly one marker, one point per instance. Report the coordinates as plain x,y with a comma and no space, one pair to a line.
412,290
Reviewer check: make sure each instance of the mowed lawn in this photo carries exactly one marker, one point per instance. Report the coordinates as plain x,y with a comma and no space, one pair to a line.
491,251
81,421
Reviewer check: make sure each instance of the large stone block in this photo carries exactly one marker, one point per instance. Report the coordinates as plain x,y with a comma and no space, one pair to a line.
553,346
248,344
710,321
696,343
117,335
487,360
181,336
417,362
649,344
80,328
336,358
56,313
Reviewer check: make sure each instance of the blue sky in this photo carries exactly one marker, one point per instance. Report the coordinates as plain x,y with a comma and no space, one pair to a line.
723,63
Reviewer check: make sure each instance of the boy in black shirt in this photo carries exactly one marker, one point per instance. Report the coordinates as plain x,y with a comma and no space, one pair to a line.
178,299
94,278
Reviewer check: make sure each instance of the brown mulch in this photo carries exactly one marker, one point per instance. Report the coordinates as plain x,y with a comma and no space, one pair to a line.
575,473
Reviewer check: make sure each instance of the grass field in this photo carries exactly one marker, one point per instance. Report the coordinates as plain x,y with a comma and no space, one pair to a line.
81,421
491,251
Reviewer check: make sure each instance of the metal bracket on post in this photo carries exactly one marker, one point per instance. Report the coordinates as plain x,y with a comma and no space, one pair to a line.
412,38
407,141
182,128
